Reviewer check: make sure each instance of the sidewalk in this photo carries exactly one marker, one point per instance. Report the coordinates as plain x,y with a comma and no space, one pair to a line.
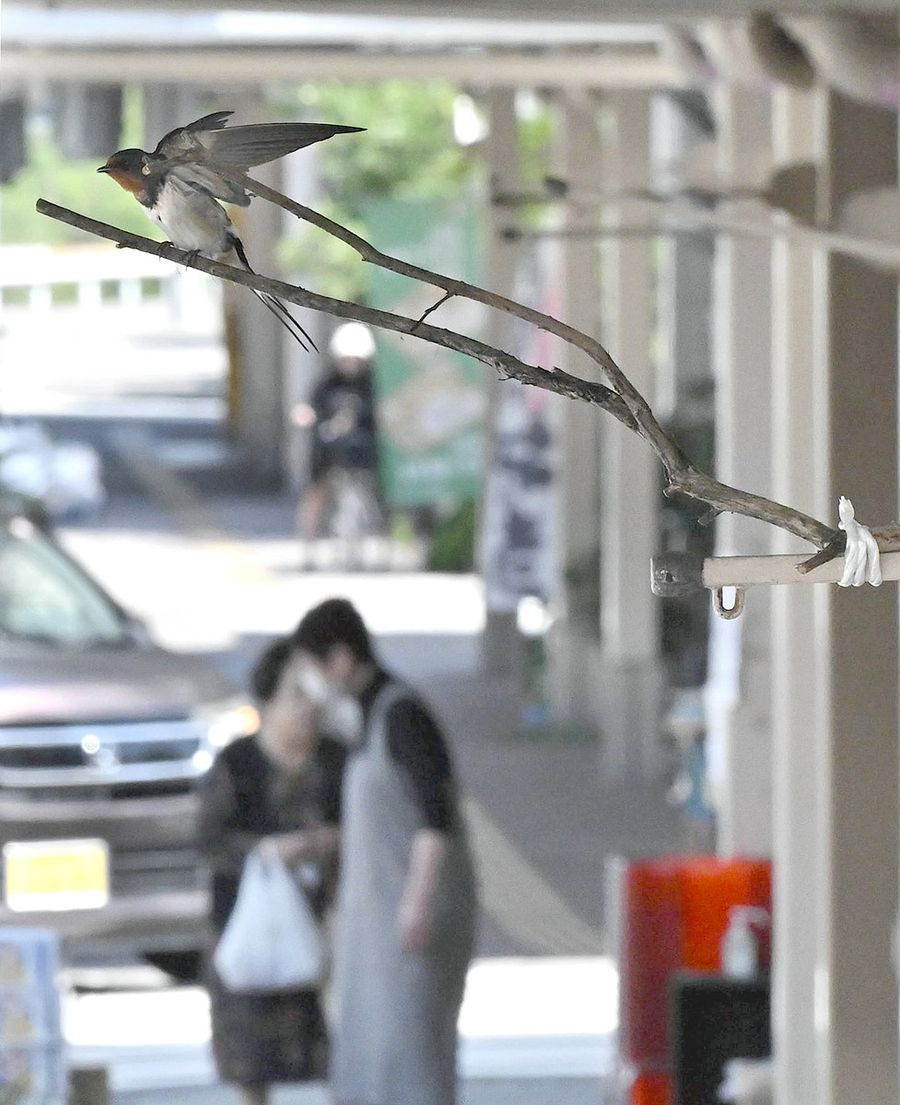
544,1091
533,1030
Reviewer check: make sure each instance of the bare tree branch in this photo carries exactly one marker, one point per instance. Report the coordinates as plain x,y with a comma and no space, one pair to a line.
625,403
680,474
506,365
670,456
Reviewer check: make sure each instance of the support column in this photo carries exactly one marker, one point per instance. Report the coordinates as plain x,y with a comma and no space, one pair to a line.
575,646
684,282
259,406
302,371
580,156
629,484
739,668
797,690
856,639
501,642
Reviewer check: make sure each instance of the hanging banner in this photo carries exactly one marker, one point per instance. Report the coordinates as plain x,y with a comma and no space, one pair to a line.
520,516
431,401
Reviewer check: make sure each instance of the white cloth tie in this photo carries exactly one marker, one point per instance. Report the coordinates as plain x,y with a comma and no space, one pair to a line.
862,560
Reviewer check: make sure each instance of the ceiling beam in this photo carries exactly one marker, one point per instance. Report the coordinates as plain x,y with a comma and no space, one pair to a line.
514,10
217,67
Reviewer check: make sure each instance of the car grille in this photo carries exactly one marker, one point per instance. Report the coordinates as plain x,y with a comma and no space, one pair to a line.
109,760
133,873
37,758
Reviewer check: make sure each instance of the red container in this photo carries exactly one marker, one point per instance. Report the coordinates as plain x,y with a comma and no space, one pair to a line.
709,888
650,1089
650,952
674,913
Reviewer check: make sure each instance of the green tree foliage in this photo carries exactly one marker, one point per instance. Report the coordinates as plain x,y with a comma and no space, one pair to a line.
69,183
408,152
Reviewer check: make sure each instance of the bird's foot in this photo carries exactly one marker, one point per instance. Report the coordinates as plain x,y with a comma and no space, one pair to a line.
161,247
190,257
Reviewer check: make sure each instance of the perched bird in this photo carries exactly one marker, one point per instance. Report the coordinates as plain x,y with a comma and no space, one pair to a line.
181,193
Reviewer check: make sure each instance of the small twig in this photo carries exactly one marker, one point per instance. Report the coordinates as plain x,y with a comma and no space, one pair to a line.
833,549
708,517
433,308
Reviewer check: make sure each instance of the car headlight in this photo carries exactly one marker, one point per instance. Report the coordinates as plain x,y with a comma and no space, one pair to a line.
229,720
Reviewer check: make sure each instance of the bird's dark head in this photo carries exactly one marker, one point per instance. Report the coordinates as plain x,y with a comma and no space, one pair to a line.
130,169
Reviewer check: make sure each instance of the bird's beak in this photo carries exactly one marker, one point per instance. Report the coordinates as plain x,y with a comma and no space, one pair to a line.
103,169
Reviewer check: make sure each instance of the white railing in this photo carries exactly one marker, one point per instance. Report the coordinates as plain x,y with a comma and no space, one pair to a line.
41,278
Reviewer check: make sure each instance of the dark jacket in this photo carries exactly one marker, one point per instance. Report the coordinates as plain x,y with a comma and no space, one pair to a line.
243,800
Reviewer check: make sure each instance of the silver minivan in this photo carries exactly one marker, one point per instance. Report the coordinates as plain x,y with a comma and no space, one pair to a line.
104,740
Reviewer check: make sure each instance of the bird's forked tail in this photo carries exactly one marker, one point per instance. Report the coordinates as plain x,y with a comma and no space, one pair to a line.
278,309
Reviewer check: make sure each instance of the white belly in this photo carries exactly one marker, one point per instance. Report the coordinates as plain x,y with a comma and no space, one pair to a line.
192,219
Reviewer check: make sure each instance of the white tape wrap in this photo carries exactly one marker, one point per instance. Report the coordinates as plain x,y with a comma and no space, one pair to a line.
862,561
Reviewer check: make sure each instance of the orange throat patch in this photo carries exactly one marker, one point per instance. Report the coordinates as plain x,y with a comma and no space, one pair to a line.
127,181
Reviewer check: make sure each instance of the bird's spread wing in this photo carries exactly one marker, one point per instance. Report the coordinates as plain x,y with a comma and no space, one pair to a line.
245,147
182,139
238,147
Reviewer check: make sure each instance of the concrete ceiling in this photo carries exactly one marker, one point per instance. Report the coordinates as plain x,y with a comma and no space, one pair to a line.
512,11
576,43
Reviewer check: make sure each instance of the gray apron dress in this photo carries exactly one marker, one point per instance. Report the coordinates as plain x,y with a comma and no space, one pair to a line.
395,1038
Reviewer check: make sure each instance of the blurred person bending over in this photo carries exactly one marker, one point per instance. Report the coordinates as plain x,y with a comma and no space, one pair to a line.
341,415
279,791
407,891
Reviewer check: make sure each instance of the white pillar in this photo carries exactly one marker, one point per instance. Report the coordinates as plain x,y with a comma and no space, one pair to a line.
797,693
856,640
575,641
738,705
629,475
581,161
259,419
501,642
301,370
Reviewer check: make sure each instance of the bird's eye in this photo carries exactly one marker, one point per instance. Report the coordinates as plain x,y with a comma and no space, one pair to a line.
145,169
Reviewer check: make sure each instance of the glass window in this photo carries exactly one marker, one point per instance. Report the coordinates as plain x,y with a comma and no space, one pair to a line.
44,596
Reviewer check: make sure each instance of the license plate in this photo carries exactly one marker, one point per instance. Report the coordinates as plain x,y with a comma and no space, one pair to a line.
56,875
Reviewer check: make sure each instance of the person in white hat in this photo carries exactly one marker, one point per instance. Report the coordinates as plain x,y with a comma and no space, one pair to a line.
341,415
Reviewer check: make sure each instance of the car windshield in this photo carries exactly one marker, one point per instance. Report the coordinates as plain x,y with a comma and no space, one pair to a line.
45,597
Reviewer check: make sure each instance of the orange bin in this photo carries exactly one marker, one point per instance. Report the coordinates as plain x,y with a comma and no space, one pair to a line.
651,1089
674,913
709,888
651,949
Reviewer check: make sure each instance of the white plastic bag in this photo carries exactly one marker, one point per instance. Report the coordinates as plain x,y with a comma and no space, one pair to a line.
747,1082
272,940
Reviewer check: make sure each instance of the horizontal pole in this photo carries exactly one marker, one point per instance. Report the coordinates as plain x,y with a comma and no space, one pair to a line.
750,571
675,223
674,575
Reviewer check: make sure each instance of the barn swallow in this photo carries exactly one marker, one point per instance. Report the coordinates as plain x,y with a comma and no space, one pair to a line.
181,194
